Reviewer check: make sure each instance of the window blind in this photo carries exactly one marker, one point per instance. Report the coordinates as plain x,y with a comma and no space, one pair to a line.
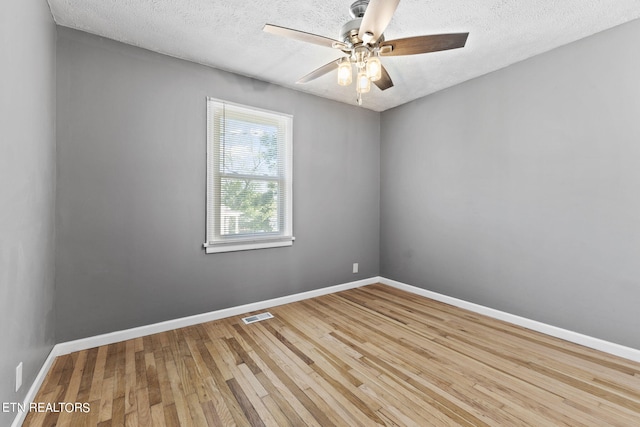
249,185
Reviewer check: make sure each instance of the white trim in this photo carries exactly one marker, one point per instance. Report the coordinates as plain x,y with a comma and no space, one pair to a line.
250,108
216,243
239,246
571,336
33,390
127,334
113,337
554,331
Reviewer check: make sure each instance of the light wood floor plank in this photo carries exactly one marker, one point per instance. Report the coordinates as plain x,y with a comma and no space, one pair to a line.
368,356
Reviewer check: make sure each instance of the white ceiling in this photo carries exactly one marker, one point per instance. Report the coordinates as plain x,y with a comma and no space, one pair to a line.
228,35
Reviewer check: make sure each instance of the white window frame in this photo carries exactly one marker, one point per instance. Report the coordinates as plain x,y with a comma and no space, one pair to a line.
216,243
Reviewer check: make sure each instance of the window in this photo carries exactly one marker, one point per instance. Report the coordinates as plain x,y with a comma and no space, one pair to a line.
249,187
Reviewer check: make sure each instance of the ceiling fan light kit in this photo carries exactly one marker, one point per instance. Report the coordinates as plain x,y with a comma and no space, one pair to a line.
345,72
364,85
374,68
363,43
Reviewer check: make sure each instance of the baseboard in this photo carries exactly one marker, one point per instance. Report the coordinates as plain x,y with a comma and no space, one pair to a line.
127,334
554,331
35,386
113,337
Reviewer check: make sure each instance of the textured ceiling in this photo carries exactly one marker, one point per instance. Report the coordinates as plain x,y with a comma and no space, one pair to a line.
228,35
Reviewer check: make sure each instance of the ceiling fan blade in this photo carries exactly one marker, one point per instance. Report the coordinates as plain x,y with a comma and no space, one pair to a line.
423,44
384,82
376,18
299,35
319,72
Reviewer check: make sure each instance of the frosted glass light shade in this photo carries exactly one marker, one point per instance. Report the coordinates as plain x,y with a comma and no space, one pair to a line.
344,73
363,82
374,68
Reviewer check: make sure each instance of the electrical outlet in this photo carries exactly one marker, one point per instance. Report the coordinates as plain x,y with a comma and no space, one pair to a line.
355,267
18,376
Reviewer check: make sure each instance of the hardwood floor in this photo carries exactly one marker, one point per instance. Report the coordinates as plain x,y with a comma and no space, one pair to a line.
368,356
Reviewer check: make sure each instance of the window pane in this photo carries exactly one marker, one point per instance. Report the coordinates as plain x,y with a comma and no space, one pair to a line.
248,206
249,172
249,148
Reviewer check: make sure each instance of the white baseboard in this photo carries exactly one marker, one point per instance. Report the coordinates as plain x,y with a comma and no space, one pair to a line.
571,336
554,331
35,386
127,334
113,337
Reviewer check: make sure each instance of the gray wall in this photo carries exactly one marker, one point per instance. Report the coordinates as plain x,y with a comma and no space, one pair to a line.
27,192
520,190
131,191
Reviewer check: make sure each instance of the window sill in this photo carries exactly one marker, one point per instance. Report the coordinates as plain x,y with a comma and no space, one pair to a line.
247,246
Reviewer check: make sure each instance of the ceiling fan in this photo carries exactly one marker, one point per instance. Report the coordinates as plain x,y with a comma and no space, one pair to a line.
362,41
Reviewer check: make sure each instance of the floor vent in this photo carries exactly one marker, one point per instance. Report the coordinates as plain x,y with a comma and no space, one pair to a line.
257,318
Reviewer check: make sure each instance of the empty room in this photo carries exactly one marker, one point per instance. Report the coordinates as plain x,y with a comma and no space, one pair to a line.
339,213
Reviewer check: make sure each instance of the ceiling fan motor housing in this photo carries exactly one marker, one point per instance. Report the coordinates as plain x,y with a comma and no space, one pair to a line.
349,31
358,8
